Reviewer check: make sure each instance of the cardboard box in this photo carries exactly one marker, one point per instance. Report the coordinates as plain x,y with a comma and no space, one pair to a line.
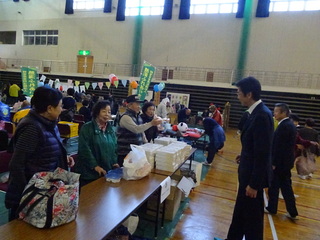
172,203
172,207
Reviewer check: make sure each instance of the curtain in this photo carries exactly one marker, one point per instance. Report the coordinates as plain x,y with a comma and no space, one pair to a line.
107,6
263,8
167,10
184,12
241,5
69,7
121,10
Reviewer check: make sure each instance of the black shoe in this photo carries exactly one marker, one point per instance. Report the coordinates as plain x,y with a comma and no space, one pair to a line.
267,211
288,215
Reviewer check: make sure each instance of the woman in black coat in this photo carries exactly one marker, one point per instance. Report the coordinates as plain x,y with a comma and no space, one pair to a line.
147,116
37,145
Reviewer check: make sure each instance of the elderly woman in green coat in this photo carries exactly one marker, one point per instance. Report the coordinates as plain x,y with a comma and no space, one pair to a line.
97,145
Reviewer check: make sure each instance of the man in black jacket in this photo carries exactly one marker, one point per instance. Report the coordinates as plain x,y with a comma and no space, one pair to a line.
255,167
282,162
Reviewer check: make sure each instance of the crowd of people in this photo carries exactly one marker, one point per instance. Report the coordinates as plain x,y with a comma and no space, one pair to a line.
270,144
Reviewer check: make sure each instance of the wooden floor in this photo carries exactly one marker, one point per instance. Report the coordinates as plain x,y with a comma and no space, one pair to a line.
211,204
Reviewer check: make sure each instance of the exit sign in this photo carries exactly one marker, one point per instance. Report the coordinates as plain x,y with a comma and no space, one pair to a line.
84,52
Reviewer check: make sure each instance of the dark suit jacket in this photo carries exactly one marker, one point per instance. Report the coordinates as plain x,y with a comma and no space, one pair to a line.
255,167
283,146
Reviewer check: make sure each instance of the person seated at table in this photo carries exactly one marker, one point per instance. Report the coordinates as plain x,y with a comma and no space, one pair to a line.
20,114
85,111
215,114
205,113
4,112
97,145
18,104
216,138
184,114
37,145
69,106
131,127
147,116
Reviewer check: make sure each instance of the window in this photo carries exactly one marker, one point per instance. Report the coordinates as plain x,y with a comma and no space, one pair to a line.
88,4
8,37
294,5
213,6
40,37
144,7
133,7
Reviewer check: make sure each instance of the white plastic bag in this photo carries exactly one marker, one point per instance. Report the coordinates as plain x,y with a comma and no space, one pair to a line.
131,223
135,164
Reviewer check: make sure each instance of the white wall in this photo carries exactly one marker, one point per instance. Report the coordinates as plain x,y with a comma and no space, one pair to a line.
284,42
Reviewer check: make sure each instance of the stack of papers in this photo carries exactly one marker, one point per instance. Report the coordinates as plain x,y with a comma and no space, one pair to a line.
150,150
170,157
164,140
185,148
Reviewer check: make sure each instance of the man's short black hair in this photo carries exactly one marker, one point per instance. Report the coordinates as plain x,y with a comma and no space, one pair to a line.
98,106
21,98
310,122
284,108
294,117
85,102
198,119
70,91
250,84
44,97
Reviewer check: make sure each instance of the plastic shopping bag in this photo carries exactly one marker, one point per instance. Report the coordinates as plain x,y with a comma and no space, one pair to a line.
135,164
305,164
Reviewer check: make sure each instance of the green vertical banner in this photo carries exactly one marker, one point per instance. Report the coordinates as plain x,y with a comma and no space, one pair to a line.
29,80
145,79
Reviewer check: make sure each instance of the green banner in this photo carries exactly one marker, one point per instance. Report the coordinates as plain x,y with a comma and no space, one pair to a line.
29,80
145,79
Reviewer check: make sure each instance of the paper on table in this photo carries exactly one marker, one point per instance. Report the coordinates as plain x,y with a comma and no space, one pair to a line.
165,189
185,185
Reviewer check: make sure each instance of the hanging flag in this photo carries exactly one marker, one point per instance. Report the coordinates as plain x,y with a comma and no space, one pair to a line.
77,83
43,78
87,84
100,84
76,88
124,82
70,83
29,80
50,82
116,83
94,85
108,84
82,88
145,79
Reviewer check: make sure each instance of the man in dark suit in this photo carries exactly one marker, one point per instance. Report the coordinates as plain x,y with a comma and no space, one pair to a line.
284,141
255,167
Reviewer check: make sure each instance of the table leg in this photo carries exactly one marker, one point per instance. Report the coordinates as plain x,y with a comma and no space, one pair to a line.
157,213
